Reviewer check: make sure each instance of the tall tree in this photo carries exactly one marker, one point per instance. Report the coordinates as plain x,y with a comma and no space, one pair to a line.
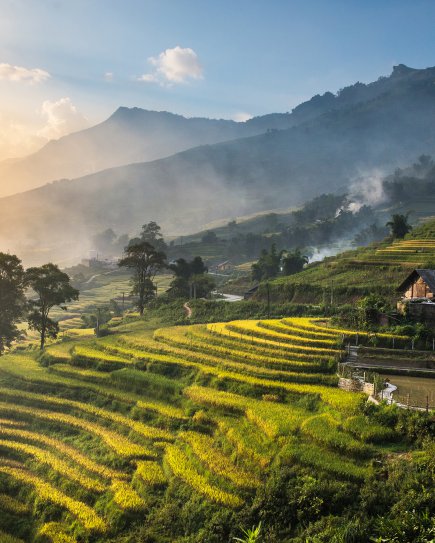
152,234
268,264
146,262
293,262
399,225
12,301
53,288
191,279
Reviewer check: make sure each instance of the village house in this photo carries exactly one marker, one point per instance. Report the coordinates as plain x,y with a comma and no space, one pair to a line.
224,266
419,284
418,296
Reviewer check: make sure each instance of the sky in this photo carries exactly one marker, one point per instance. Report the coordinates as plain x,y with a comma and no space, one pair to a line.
69,64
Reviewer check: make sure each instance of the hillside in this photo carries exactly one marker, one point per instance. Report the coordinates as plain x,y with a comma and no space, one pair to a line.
379,268
129,135
128,435
373,131
136,135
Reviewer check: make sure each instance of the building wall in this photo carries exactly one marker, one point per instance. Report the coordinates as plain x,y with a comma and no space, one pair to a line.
419,289
423,313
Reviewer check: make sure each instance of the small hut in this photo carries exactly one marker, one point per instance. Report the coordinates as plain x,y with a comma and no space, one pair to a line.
419,284
418,296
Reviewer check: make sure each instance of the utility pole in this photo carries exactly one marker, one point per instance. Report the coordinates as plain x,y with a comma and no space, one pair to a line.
123,301
332,292
268,300
97,329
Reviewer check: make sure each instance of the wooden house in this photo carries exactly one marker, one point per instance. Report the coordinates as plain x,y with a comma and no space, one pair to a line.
419,284
225,266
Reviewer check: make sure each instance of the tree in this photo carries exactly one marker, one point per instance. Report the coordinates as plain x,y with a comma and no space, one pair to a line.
190,278
12,301
145,261
399,225
151,233
209,237
293,262
268,264
53,288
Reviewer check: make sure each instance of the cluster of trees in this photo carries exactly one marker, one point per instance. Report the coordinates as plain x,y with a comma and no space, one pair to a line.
272,263
146,257
326,219
190,278
408,184
48,286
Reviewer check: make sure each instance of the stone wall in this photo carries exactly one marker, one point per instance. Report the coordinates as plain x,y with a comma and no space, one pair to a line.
355,385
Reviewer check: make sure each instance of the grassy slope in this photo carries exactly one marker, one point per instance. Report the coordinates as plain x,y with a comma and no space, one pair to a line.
133,395
355,273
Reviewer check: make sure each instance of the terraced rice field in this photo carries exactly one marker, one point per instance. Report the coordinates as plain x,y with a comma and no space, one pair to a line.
408,251
110,422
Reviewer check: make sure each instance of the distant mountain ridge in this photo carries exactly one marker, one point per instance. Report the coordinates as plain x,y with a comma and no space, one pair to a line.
132,135
322,146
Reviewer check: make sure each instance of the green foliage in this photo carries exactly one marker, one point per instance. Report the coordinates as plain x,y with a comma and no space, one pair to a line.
293,262
190,279
399,225
52,288
145,261
268,264
251,535
11,298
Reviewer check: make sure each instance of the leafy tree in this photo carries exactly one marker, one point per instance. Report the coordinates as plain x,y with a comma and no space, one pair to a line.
371,308
151,233
293,262
12,300
53,288
268,265
197,266
181,268
146,262
399,225
106,242
191,279
209,237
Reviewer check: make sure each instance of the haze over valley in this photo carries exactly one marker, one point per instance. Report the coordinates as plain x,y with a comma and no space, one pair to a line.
185,173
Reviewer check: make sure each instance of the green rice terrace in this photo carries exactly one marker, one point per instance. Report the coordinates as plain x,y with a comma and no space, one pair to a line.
379,268
173,434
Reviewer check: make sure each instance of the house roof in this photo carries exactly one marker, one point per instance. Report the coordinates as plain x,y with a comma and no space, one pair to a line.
428,277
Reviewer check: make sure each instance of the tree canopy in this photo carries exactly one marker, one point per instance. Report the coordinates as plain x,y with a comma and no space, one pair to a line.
399,225
12,301
145,261
191,279
268,265
293,262
53,288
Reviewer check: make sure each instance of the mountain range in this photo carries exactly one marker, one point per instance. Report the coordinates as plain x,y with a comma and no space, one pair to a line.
184,173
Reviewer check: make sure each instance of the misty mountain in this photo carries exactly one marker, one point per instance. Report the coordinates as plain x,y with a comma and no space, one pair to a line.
133,135
363,130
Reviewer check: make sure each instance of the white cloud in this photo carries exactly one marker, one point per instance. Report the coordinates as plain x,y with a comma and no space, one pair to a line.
62,118
17,138
108,76
148,78
172,66
242,117
18,73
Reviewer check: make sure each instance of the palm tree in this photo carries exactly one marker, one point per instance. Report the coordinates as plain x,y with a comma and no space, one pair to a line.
399,225
251,535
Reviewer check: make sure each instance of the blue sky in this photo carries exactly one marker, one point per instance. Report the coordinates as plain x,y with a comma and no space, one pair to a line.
238,58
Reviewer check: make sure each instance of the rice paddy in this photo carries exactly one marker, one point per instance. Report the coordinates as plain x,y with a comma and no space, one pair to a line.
210,407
